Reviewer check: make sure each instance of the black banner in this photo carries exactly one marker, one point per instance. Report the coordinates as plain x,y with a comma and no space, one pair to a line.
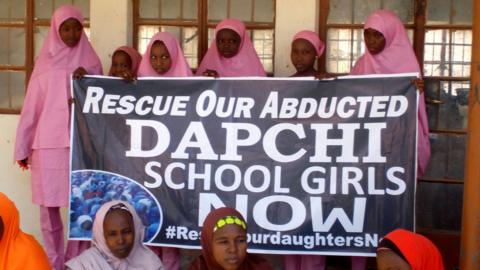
316,167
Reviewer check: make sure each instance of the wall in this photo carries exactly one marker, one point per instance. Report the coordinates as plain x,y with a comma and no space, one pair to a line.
109,30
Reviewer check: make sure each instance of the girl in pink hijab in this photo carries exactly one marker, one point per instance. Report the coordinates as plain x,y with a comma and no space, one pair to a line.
231,53
306,49
389,51
42,139
125,63
117,242
164,58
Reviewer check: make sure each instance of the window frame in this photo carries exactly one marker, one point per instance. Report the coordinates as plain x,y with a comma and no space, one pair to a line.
29,24
420,28
202,23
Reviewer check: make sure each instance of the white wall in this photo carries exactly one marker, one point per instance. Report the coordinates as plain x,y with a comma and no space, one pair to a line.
13,181
109,29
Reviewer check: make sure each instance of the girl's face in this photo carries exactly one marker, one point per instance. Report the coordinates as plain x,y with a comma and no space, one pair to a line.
229,246
303,55
70,32
228,43
160,58
119,232
374,41
389,260
121,63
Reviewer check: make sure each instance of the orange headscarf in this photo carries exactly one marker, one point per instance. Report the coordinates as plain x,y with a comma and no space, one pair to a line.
18,250
419,252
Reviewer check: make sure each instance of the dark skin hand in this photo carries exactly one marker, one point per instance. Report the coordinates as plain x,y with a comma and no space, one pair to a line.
79,73
420,84
324,75
210,73
23,164
127,75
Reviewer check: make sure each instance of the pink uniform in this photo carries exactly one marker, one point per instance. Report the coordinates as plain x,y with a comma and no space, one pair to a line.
179,68
397,57
244,63
43,130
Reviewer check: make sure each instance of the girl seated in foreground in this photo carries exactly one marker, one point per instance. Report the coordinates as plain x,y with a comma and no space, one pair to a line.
224,244
117,242
405,250
18,250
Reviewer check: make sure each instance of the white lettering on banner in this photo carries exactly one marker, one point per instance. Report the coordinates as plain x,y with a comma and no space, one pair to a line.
195,136
327,107
320,224
237,107
233,141
136,127
258,178
209,201
195,129
314,181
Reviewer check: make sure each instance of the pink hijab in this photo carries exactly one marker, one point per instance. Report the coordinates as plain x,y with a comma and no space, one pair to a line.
179,68
397,57
99,255
245,63
44,121
135,57
313,38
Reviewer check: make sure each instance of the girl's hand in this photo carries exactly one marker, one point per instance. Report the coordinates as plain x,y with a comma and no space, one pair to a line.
79,73
23,164
210,73
324,75
420,84
127,75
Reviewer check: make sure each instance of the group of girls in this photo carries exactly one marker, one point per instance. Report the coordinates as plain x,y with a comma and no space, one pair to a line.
42,141
118,233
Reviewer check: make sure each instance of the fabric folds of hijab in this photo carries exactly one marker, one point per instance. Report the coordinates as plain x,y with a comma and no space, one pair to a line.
18,250
421,253
313,38
179,68
206,261
44,121
99,255
397,57
135,57
244,63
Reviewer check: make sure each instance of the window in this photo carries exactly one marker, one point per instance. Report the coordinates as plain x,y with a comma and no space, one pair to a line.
23,27
344,29
193,21
441,31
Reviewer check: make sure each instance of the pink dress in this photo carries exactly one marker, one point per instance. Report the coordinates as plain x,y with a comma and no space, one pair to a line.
43,129
179,68
397,57
244,63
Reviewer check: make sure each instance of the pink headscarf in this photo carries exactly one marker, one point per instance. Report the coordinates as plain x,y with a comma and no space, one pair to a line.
135,57
245,63
313,38
179,68
397,57
99,255
44,122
